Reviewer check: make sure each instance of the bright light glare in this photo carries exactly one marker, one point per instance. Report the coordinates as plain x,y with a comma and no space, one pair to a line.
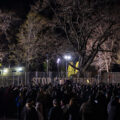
67,57
19,69
58,60
5,71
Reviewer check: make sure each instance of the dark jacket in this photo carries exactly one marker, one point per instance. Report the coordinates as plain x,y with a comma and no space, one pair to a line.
88,111
55,113
113,110
29,114
73,112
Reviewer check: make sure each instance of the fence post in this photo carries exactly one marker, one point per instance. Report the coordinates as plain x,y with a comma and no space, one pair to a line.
18,80
25,79
13,78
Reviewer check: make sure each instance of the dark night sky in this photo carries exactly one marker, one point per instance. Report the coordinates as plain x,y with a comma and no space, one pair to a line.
21,7
24,4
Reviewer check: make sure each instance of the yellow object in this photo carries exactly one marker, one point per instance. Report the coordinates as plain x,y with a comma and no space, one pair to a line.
77,64
71,70
88,81
0,64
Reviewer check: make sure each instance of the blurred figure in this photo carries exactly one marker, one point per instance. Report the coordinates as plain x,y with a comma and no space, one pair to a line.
29,112
55,112
88,110
64,108
113,109
73,110
101,106
39,110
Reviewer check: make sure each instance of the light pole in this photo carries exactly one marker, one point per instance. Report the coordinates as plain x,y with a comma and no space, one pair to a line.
4,73
19,69
67,58
58,62
47,65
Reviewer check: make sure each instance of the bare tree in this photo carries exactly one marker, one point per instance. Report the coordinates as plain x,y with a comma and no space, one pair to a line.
80,21
76,23
28,36
103,59
7,20
37,37
117,55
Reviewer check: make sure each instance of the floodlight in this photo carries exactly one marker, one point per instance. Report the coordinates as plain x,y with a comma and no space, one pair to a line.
5,71
67,57
58,60
19,69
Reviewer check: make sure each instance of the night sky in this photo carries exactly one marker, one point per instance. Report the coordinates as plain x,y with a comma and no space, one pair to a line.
20,7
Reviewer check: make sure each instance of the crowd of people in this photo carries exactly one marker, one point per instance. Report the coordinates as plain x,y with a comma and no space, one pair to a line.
61,102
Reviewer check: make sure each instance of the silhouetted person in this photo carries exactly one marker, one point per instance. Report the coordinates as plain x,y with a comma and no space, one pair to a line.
114,109
29,112
88,110
64,108
73,110
55,112
39,110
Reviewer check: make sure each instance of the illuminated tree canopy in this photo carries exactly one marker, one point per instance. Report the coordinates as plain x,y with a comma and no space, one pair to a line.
52,28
